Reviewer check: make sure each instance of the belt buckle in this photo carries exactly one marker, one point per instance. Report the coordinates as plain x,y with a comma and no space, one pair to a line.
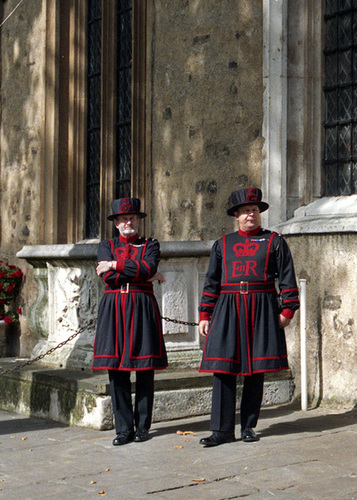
244,291
124,288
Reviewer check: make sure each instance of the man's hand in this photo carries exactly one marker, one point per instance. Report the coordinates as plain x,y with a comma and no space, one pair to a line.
203,327
104,266
283,322
157,277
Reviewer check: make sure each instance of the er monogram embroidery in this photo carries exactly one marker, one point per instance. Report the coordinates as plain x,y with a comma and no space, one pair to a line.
245,267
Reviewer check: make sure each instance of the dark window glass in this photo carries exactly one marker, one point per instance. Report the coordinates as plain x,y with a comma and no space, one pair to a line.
340,157
123,114
93,117
123,111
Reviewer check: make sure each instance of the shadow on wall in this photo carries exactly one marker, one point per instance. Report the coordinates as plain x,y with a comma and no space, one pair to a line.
22,86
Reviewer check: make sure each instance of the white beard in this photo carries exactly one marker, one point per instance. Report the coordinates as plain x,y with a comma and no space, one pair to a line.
128,232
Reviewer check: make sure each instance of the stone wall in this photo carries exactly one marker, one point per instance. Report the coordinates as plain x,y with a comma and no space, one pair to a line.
328,262
206,113
22,114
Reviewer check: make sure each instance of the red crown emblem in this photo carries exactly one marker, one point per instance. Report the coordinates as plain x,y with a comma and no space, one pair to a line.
245,249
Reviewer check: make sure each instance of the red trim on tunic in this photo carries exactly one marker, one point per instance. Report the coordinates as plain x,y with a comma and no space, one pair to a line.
137,263
120,266
224,257
148,268
210,294
249,233
142,257
106,275
251,282
205,316
289,290
228,360
131,369
267,357
268,255
287,313
97,356
122,304
144,248
147,356
247,332
269,290
129,239
243,374
132,327
253,317
238,329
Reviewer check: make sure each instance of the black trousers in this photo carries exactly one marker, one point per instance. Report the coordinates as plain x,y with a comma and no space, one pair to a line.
125,417
224,401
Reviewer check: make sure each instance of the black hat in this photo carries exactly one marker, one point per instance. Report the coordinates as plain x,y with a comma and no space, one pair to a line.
126,206
246,196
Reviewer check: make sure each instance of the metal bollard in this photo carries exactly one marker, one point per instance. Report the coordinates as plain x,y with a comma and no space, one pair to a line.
303,351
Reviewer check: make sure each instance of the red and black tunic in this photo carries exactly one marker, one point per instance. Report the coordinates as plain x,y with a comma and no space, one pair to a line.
241,301
129,332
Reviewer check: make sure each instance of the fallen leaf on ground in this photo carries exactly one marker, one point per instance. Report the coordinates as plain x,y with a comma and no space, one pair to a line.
199,480
184,433
102,493
24,438
93,482
107,470
179,447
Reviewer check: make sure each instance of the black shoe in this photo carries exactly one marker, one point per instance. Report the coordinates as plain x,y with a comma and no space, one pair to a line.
218,438
248,435
141,435
123,437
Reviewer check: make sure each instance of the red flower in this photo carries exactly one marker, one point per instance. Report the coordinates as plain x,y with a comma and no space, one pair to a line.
16,274
10,288
19,310
8,320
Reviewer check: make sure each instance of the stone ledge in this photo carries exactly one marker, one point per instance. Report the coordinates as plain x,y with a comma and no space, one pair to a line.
81,397
335,214
87,250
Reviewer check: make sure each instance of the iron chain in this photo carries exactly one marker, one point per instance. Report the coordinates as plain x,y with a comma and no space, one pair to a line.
74,335
178,321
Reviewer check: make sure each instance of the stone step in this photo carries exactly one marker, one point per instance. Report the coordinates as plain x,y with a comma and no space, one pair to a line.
82,398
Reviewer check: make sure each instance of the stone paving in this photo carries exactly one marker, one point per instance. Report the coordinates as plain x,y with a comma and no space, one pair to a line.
301,455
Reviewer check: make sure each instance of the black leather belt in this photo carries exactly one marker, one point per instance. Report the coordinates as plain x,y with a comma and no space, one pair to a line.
131,288
245,287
